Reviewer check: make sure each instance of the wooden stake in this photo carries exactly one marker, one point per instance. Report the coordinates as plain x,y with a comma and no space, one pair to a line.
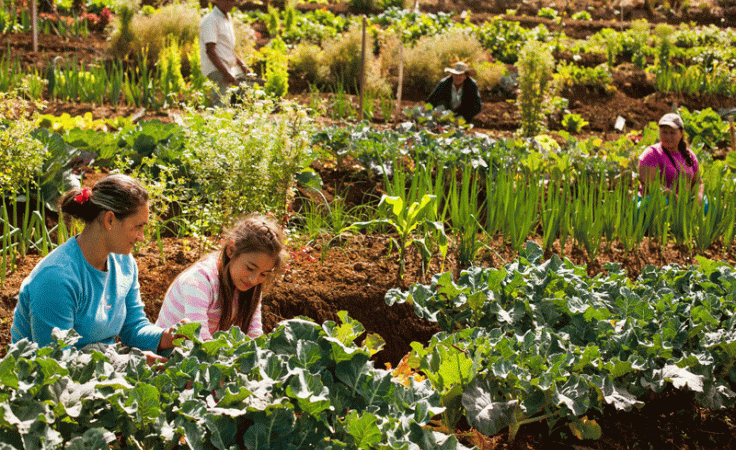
362,72
397,109
733,135
34,25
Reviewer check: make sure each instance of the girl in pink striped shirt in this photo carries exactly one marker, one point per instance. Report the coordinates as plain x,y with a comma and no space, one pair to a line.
225,288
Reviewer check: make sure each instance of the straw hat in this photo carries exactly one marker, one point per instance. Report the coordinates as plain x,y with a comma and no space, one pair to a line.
458,69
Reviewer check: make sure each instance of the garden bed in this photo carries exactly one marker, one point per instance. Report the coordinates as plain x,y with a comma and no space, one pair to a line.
354,273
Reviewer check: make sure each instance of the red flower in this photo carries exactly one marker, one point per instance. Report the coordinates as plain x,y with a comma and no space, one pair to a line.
84,196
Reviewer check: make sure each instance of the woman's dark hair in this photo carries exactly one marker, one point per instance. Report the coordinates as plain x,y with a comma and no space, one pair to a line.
118,193
254,233
682,148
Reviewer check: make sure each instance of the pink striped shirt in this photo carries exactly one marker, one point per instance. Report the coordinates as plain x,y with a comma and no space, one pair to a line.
194,295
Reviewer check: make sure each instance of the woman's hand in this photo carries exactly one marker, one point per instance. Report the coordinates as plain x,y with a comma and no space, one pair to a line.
168,336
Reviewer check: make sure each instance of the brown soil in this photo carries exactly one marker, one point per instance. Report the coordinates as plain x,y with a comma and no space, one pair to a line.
354,273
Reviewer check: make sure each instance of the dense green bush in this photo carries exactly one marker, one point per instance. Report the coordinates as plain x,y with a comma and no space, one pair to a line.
245,159
148,33
535,74
20,154
424,63
341,57
305,60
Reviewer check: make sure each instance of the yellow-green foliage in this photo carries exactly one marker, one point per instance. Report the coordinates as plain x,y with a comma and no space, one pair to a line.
149,32
341,57
195,67
20,154
424,63
277,76
535,74
245,41
273,23
488,74
306,60
169,65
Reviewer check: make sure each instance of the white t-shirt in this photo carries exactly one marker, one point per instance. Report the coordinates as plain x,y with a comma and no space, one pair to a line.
217,27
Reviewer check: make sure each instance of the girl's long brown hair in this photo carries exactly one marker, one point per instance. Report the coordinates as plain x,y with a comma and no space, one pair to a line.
254,233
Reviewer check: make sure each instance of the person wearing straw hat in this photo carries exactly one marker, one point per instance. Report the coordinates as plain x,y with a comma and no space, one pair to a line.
457,92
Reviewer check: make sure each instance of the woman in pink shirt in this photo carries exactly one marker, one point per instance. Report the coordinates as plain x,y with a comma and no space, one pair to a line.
225,288
670,159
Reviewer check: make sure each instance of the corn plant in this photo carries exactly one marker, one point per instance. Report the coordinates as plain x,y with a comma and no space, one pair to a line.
32,85
117,80
8,241
386,103
341,107
405,219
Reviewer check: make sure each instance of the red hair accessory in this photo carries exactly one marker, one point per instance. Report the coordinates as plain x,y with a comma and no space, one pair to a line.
84,196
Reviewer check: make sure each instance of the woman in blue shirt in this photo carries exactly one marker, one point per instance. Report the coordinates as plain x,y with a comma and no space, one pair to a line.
90,282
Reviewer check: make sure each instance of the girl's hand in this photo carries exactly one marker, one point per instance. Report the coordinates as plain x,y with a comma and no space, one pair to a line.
168,336
152,359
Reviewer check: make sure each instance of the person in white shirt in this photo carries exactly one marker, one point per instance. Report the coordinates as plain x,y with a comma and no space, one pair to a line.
220,62
457,92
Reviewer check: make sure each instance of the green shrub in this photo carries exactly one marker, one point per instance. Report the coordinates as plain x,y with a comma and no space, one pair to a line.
306,60
573,123
639,36
196,78
582,15
245,159
169,69
245,41
149,32
20,154
277,64
342,58
665,34
273,22
425,62
122,37
488,75
535,74
547,13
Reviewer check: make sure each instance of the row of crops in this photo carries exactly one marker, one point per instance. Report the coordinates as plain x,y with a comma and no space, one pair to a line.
153,59
217,164
530,342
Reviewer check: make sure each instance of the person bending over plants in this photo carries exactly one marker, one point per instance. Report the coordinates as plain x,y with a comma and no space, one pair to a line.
225,287
90,282
670,159
457,92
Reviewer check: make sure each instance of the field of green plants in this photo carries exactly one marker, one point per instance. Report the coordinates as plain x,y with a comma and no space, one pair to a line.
540,340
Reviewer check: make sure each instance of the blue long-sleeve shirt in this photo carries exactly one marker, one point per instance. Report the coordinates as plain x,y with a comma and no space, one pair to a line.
65,291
